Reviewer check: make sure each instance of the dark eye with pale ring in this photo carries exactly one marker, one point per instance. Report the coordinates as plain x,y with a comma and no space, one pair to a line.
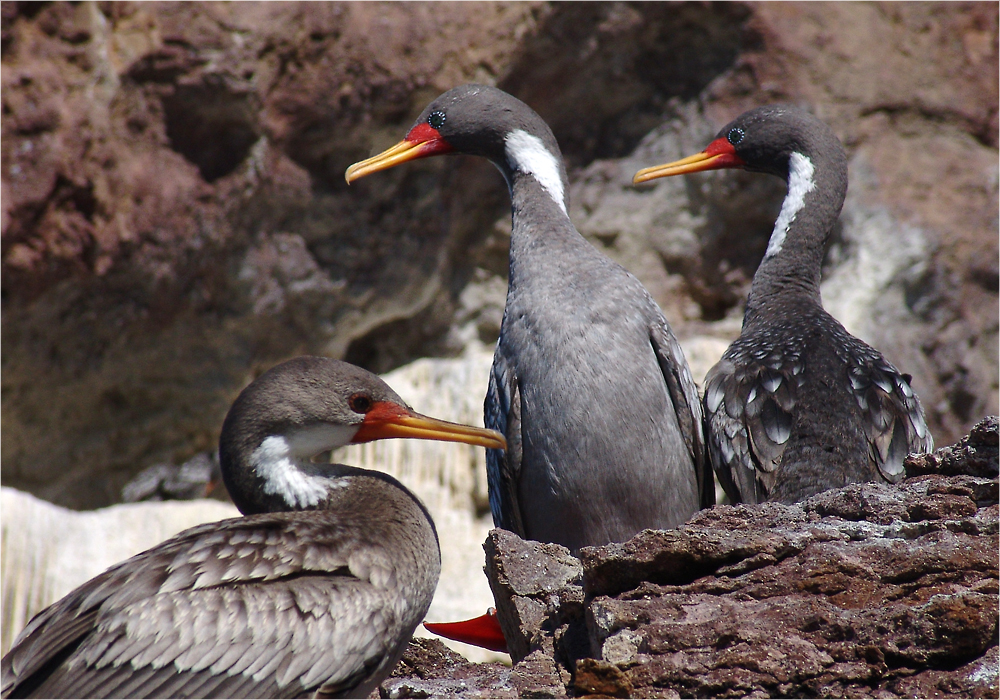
360,403
436,119
735,136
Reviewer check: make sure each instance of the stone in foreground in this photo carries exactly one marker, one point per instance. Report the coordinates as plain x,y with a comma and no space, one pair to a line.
870,590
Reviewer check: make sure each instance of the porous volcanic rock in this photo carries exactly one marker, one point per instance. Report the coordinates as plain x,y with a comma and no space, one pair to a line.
175,220
978,453
870,590
429,669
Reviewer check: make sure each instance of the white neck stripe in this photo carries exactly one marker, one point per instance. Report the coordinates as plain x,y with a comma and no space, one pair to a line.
283,463
527,153
800,183
282,476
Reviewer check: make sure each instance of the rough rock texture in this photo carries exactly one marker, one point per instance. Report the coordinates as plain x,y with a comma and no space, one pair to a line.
198,477
429,669
866,591
976,454
856,592
174,217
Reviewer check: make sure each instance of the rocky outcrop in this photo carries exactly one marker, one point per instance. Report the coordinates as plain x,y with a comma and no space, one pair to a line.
429,669
975,454
174,216
866,591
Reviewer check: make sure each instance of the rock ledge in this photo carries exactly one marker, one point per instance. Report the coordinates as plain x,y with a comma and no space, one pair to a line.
866,591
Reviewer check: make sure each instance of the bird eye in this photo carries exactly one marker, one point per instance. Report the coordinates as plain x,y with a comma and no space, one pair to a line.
436,119
735,136
360,403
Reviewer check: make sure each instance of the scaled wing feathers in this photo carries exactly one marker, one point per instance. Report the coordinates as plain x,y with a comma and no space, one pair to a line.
893,419
194,617
751,400
749,412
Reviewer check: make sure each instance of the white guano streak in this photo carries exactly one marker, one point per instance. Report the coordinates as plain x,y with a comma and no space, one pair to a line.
528,154
800,183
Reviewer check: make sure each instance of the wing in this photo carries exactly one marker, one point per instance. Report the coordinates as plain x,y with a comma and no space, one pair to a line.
684,395
502,411
749,408
271,605
892,418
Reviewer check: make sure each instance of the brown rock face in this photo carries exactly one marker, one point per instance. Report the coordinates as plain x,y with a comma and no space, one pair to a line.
429,669
865,591
174,217
976,454
823,605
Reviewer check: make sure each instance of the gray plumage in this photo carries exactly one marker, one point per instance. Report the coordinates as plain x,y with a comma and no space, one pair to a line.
797,405
292,603
589,384
803,406
594,395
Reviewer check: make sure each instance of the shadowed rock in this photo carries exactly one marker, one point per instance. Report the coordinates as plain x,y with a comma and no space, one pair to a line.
164,482
430,669
976,454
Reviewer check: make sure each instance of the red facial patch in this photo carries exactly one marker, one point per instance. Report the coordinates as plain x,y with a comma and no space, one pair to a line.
430,140
422,133
384,411
381,414
726,153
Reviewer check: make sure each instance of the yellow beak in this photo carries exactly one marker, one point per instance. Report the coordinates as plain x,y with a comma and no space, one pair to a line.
691,164
387,420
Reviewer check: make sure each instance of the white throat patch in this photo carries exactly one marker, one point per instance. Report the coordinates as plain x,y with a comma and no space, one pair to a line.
283,463
528,154
800,183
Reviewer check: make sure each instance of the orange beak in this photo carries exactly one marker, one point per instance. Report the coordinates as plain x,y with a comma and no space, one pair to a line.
390,420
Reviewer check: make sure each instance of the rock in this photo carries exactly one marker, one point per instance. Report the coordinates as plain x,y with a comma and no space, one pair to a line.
429,669
852,591
600,679
175,218
196,478
871,590
975,454
537,590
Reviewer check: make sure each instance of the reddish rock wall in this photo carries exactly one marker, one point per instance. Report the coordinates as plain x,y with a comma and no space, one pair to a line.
174,216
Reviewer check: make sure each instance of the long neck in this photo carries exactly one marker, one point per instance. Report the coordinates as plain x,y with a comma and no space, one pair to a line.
537,220
817,185
538,184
